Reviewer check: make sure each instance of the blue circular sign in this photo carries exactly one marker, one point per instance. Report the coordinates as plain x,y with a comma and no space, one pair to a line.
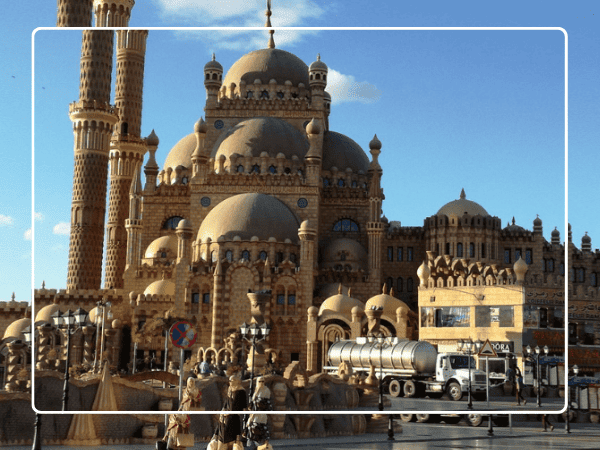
302,203
205,201
219,124
183,334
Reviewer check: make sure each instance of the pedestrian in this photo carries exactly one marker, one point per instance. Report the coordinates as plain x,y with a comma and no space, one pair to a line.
519,385
546,423
510,378
230,425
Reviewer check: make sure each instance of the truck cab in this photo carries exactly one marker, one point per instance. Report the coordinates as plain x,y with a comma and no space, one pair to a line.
452,371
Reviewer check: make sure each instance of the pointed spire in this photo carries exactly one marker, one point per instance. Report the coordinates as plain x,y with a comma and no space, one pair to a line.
268,25
214,57
339,289
391,292
349,292
384,288
462,194
12,297
513,220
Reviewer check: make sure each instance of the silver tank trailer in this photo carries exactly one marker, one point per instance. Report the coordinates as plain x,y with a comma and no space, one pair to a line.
402,356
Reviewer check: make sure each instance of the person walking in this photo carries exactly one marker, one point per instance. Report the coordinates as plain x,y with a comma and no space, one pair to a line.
519,385
546,423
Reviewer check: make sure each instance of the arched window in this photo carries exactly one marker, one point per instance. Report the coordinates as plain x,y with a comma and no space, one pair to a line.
399,284
240,168
409,284
580,275
459,250
172,222
273,169
264,94
263,255
229,255
214,255
572,275
255,168
249,94
280,94
345,225
593,279
279,258
550,265
246,255
390,283
326,182
293,257
471,250
341,182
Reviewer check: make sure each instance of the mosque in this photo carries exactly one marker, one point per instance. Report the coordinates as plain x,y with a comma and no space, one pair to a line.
263,196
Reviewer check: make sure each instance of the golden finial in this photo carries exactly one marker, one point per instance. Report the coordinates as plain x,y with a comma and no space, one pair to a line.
268,25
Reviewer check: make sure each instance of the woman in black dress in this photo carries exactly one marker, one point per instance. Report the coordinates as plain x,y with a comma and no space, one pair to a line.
230,425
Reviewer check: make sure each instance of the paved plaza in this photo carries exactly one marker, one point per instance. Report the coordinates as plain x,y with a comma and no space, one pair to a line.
415,436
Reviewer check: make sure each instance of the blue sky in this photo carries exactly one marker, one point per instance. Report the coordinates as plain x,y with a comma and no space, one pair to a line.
479,110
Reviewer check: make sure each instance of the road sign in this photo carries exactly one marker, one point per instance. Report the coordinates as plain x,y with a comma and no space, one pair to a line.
183,334
487,350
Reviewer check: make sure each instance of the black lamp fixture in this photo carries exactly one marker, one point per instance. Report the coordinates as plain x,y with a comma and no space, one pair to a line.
254,334
535,356
70,322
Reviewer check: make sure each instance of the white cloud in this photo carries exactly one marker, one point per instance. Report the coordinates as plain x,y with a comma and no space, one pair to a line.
240,13
345,88
63,228
38,216
5,220
27,235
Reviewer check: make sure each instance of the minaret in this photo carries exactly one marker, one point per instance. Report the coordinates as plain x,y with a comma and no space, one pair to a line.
375,227
113,13
93,120
133,224
74,13
127,148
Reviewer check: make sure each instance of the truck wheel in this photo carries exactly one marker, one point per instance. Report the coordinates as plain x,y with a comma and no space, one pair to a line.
407,417
474,419
410,389
454,391
395,388
422,418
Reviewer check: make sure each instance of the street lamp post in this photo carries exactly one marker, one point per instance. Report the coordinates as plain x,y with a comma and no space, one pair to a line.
254,334
67,320
568,396
30,340
537,370
469,347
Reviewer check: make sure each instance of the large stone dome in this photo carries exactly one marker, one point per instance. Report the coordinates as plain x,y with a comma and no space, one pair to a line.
340,304
462,206
262,134
15,329
249,215
342,152
181,153
265,65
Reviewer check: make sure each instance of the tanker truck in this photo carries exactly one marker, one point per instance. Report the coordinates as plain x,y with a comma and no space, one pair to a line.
410,368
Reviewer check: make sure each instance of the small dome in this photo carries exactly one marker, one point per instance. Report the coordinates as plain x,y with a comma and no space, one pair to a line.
45,314
555,232
15,329
268,64
313,127
462,206
165,242
424,272
586,239
340,304
340,151
184,224
254,136
152,139
375,143
181,153
344,252
92,315
318,65
249,215
160,287
514,227
537,222
388,303
213,64
200,126
520,268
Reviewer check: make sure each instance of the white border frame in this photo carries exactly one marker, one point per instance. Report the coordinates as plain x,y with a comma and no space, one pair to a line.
566,224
